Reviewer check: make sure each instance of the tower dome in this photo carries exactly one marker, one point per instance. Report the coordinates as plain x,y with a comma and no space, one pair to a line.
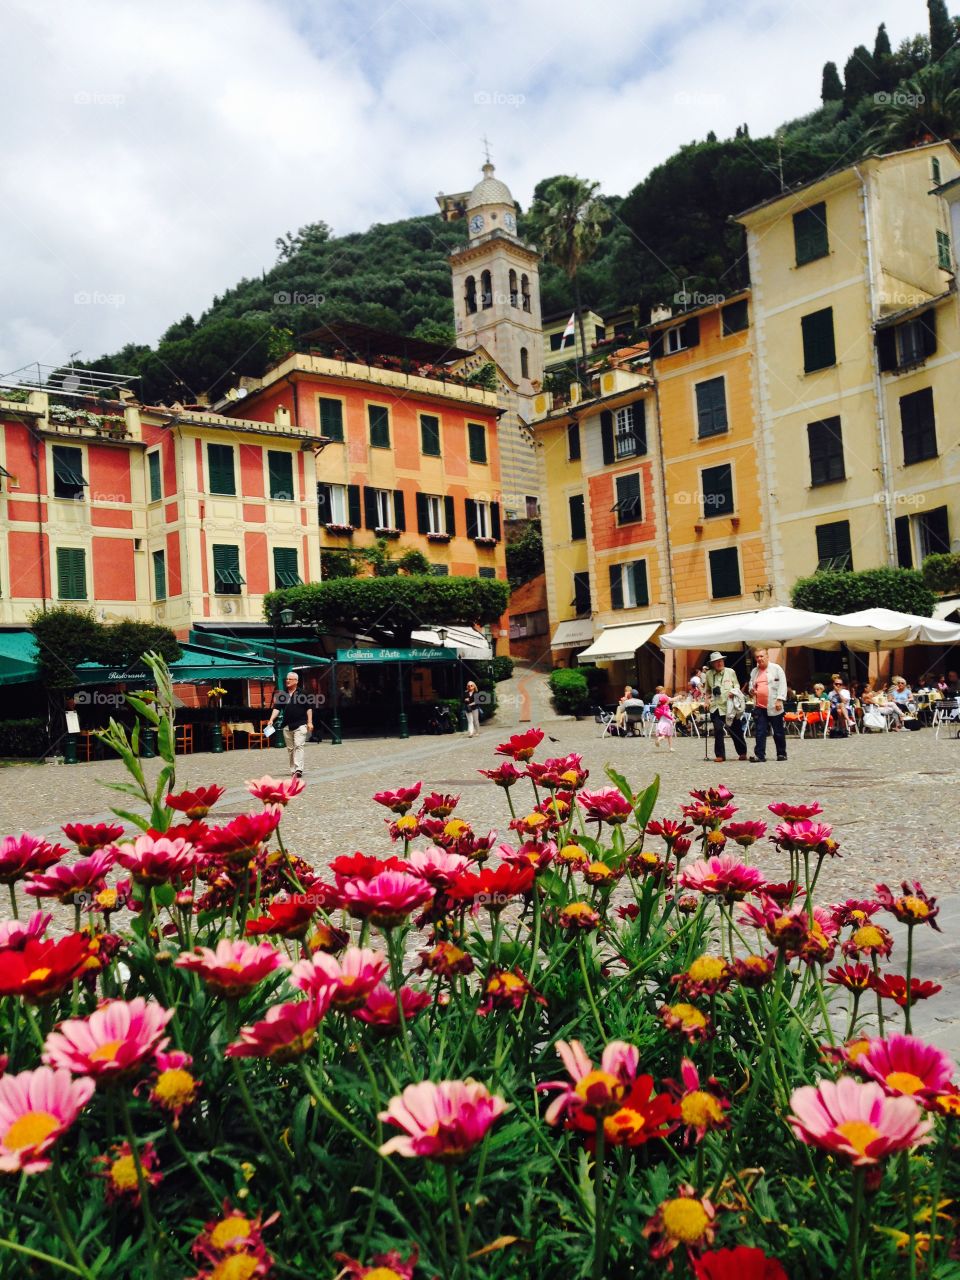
489,190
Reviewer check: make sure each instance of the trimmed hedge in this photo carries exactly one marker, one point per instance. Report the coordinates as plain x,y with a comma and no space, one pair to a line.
23,739
831,592
570,692
68,636
941,572
502,669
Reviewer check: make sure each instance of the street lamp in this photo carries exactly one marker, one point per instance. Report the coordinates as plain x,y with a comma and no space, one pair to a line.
760,592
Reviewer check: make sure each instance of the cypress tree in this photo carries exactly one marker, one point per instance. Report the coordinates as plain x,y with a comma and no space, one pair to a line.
941,29
859,76
831,86
881,46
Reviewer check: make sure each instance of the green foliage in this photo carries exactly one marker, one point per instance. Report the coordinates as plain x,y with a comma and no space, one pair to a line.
122,643
485,377
570,694
414,561
394,606
280,343
831,86
66,637
23,739
941,572
831,592
942,31
926,105
859,76
436,331
524,554
338,564
502,668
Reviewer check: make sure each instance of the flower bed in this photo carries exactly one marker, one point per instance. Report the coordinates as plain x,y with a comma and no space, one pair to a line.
608,1055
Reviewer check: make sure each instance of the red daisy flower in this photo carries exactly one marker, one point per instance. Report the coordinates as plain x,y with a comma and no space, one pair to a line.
869,940
507,988
912,906
382,1009
745,833
90,836
741,1263
505,775
713,795
43,967
26,855
687,1020
385,1266
197,803
795,812
289,916
492,889
669,829
438,805
244,837
855,977
285,1033
120,1172
361,866
893,986
521,746
446,959
702,1107
401,800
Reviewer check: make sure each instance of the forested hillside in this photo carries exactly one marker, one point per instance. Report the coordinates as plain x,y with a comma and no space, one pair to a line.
672,231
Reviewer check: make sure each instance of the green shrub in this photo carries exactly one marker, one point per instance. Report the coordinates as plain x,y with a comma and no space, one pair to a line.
502,669
570,692
941,572
832,592
23,739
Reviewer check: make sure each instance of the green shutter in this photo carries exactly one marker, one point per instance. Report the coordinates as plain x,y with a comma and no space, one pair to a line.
578,520
430,435
379,419
616,586
628,507
711,407
159,576
280,467
71,573
810,233
640,591
833,545
68,478
477,435
331,418
717,486
724,573
285,568
819,348
226,570
220,463
156,484
943,251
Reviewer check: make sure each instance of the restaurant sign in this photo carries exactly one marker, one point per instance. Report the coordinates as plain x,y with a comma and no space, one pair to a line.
425,653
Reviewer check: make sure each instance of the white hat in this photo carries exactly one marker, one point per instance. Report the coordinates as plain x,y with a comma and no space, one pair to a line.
717,657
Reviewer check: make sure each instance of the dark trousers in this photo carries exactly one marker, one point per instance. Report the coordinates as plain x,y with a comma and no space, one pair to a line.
764,722
735,730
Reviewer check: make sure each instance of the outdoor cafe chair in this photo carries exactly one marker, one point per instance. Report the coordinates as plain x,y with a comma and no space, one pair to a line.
255,738
635,719
805,709
607,719
946,711
183,738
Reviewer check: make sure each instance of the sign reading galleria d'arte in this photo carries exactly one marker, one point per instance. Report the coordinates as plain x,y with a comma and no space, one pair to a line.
424,654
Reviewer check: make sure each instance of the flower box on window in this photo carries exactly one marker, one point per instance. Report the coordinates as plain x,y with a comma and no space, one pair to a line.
382,531
438,537
342,529
485,542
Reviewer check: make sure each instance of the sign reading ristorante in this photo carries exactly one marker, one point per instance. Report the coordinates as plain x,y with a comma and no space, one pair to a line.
425,653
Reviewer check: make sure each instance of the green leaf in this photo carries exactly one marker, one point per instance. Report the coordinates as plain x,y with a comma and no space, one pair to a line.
620,782
137,819
145,709
646,801
164,895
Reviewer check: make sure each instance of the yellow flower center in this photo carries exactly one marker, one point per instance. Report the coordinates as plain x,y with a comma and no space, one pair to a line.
174,1087
535,819
39,975
454,828
600,870
859,1134
234,966
407,823
707,969
106,1052
240,1267
689,1015
506,984
868,935
949,1103
30,1130
230,1231
684,1220
716,837
599,1089
107,899
578,909
905,1082
916,906
382,1273
569,775
123,1173
649,859
701,1109
624,1124
857,1048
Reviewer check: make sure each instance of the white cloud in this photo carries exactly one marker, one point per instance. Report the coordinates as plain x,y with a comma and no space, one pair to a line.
154,152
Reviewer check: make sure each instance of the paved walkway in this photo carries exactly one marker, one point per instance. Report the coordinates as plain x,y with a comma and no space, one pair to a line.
891,798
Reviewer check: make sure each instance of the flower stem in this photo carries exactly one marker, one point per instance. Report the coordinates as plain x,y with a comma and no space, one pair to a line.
148,1223
909,993
856,1262
396,975
599,1241
906,1192
53,1187
876,975
586,983
457,1224
945,1147
13,899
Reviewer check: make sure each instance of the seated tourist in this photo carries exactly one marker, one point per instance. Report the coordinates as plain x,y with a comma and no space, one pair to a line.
840,708
630,698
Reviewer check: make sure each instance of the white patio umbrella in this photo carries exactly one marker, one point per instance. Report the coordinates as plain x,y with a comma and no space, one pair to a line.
869,630
778,626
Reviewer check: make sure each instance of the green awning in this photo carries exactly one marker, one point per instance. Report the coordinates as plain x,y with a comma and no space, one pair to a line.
261,647
198,664
18,658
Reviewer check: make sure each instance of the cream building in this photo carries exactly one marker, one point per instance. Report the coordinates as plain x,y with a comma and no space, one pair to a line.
832,266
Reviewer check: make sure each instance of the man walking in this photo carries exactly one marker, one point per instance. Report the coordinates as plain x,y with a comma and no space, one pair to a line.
726,709
297,720
768,686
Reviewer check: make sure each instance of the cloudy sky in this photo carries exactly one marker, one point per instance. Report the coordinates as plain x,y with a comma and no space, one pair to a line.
152,152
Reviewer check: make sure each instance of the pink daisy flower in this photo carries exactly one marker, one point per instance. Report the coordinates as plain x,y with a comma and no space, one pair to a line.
382,1010
857,1120
596,1091
351,976
36,1108
157,860
234,967
387,899
907,1065
437,866
15,934
275,790
441,1121
287,1031
723,876
112,1043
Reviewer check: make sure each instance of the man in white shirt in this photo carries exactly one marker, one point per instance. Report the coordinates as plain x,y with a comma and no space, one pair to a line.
768,688
723,689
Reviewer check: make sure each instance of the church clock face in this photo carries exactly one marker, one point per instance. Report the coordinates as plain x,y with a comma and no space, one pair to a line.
509,221
476,223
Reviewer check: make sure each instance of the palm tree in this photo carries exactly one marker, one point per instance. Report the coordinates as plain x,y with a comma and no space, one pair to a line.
567,220
921,109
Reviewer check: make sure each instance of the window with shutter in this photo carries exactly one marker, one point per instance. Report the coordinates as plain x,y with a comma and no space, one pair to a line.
68,478
471,509
834,550
482,517
399,510
379,418
625,439
606,436
280,469
159,576
156,483
825,442
353,505
435,513
430,435
810,233
578,519
286,572
477,438
628,585
71,573
933,532
819,348
944,258
220,465
581,593
918,426
734,318
495,520
904,543
711,407
332,504
716,484
486,573
724,573
331,418
450,516
573,442
441,570
628,506
227,580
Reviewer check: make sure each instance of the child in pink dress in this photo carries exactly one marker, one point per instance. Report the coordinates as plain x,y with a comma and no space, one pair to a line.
663,714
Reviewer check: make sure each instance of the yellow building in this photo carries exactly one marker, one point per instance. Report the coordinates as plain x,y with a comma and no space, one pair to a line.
828,263
716,503
561,347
